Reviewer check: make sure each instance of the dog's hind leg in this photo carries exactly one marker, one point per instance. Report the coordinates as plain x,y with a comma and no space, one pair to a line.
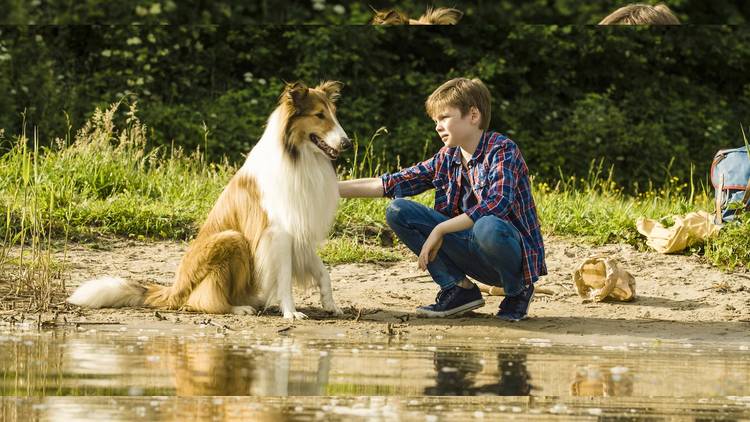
243,289
321,275
212,273
211,295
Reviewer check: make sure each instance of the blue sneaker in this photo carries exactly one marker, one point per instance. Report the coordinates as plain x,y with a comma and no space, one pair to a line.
453,301
516,308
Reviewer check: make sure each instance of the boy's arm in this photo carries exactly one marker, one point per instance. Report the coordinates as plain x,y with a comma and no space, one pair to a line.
407,182
434,241
456,224
371,187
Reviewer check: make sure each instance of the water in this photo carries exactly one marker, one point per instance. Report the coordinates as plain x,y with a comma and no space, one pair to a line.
125,373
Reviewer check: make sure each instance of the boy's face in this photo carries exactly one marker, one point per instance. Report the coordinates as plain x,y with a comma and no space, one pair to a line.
456,130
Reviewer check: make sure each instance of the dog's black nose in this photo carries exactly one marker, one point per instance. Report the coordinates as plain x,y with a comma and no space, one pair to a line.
346,143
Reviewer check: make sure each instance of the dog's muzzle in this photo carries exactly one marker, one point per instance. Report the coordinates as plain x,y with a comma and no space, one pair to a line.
328,150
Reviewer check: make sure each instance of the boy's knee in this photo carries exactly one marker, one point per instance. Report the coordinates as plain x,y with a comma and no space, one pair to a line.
394,211
490,232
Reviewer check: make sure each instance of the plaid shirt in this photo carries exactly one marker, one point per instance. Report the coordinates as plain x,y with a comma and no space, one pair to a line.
500,180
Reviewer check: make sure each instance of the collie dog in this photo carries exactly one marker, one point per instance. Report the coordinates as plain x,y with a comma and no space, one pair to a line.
439,16
261,235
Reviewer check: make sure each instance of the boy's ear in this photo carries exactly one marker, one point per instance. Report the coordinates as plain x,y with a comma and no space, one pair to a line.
475,114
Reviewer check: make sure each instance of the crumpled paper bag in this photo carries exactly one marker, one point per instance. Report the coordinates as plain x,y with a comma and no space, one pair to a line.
692,228
600,278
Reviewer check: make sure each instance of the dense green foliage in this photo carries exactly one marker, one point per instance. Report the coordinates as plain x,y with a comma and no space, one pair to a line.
650,101
500,12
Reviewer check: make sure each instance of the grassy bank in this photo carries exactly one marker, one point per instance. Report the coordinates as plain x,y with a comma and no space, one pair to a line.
106,180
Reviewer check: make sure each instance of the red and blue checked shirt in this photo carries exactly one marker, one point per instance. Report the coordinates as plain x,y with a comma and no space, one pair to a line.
499,180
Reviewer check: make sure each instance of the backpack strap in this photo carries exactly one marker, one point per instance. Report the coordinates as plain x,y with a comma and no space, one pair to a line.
719,196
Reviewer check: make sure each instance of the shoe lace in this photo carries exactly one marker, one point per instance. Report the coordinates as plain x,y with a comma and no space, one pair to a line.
445,294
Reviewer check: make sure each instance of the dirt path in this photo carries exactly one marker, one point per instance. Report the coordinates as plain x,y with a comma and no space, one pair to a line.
679,298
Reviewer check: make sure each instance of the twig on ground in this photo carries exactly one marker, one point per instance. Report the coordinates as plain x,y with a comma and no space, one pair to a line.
209,321
416,277
361,312
499,291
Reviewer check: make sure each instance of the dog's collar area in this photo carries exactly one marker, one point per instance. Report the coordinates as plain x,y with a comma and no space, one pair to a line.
329,151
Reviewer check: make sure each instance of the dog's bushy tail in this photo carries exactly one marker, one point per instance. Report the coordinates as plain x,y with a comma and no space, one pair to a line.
111,292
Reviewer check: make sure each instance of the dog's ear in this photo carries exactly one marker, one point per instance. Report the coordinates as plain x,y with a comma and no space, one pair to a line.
332,89
295,93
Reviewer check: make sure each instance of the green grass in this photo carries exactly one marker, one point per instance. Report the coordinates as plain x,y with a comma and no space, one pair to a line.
598,211
107,180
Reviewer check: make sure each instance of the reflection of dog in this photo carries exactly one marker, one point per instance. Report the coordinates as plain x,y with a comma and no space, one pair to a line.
215,369
439,16
203,369
262,233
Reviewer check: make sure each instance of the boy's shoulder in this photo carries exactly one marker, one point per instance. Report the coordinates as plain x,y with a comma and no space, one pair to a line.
497,142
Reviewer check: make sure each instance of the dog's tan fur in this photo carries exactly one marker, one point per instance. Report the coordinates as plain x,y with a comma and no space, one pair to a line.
439,16
217,270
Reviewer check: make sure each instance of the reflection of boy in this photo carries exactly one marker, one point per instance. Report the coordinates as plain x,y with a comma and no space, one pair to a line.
484,224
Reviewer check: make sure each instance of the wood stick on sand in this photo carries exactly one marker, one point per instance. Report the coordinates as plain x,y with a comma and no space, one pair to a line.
499,291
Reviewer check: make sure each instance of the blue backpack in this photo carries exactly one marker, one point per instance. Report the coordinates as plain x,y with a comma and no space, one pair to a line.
730,176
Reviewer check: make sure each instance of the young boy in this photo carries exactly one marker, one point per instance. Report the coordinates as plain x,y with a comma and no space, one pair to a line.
641,14
484,224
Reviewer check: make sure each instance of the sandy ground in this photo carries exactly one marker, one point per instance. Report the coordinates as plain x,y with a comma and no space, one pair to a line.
679,298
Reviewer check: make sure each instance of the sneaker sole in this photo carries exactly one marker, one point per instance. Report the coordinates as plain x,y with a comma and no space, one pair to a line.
455,311
526,315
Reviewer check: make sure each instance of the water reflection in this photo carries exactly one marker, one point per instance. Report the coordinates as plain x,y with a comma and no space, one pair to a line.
602,381
514,378
142,362
183,365
201,369
456,373
239,408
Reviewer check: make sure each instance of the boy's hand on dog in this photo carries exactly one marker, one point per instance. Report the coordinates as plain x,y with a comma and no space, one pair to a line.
430,248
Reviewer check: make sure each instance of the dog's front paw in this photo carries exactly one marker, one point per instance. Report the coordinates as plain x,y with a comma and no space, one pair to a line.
294,315
333,309
244,310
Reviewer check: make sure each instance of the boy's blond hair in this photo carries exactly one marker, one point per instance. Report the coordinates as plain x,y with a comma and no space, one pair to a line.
463,94
641,14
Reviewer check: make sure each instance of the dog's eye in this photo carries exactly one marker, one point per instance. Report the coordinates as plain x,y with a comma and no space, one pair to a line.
320,116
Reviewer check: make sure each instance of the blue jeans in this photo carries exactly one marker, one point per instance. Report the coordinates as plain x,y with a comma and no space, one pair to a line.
489,252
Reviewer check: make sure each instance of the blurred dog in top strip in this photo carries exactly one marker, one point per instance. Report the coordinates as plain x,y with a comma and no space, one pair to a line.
439,16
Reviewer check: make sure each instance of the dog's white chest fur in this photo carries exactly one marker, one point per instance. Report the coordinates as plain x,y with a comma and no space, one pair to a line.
299,196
